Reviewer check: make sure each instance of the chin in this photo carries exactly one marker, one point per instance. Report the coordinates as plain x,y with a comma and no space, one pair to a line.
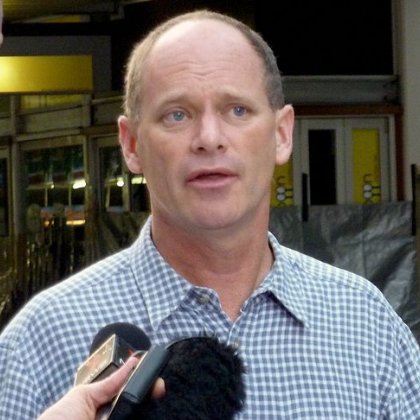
212,220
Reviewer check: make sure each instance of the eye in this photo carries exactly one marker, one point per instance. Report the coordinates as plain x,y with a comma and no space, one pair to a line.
177,116
239,111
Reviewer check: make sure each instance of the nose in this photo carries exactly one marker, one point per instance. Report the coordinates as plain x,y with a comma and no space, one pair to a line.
209,136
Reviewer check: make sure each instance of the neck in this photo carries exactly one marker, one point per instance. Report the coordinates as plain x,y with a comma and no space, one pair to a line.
233,263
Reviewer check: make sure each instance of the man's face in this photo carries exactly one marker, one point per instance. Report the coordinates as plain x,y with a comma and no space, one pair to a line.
207,139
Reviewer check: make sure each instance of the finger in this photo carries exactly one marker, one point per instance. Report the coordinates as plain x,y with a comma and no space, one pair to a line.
159,390
104,391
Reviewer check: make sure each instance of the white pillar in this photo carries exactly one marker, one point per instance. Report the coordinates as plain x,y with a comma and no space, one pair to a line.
408,66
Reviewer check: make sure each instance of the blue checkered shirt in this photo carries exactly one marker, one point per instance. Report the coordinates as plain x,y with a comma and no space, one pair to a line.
317,342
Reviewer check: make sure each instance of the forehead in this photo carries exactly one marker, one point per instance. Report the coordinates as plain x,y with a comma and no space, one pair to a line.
201,59
203,40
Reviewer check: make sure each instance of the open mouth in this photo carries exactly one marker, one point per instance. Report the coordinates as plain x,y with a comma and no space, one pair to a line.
210,179
213,176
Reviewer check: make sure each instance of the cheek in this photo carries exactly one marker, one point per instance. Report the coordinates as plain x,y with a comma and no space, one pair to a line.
159,162
261,158
262,147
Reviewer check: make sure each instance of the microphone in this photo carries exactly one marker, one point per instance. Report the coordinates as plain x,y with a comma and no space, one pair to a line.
130,333
110,348
203,380
203,376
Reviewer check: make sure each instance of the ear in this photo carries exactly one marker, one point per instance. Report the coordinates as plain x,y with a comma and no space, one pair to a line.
285,118
129,145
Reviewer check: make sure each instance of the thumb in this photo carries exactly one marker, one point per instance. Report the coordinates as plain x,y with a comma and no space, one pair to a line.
104,391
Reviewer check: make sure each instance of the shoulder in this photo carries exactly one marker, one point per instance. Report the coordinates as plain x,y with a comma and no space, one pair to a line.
82,298
348,303
94,283
314,274
52,333
336,296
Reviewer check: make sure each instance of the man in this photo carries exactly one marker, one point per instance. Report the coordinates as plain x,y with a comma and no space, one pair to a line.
205,122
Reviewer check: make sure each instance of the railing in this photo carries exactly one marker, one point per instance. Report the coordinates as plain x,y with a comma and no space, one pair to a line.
33,262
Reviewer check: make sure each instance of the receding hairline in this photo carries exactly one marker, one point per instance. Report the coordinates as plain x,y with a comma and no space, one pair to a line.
142,50
187,29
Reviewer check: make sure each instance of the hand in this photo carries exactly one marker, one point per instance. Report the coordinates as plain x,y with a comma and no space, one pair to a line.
83,401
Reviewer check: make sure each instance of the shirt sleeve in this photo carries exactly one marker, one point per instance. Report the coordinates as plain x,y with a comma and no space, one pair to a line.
404,401
19,394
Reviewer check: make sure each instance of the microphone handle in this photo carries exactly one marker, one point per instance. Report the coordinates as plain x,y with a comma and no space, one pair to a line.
138,385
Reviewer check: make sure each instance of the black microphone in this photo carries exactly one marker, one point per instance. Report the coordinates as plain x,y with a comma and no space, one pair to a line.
203,380
130,333
110,348
203,376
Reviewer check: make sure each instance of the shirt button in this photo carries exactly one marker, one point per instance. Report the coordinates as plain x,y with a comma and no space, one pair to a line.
236,344
203,299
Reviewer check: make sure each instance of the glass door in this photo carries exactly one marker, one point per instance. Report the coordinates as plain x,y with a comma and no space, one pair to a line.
347,160
321,147
54,205
369,160
119,190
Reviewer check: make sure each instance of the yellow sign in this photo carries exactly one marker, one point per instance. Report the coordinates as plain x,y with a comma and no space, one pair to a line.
366,166
35,74
282,186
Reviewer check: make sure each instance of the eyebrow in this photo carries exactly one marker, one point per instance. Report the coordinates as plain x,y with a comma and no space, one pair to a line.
172,98
179,97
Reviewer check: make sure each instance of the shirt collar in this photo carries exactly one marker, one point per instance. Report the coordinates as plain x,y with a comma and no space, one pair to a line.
164,290
161,287
285,281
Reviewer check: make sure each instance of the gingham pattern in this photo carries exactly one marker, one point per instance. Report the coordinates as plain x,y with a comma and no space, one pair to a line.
318,342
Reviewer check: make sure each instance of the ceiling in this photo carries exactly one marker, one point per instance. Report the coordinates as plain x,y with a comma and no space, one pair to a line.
24,10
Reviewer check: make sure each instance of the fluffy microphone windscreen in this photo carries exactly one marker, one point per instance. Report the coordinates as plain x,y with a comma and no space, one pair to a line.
203,380
131,334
